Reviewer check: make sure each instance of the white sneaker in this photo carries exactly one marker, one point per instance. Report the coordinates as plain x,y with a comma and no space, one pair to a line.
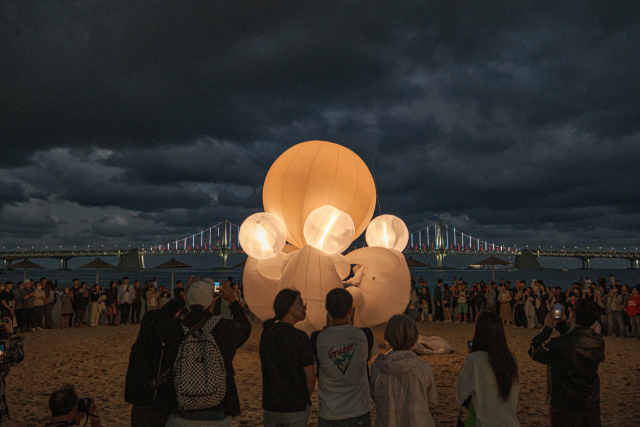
40,329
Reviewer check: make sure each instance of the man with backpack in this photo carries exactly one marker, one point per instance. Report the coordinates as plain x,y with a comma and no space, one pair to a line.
342,352
203,374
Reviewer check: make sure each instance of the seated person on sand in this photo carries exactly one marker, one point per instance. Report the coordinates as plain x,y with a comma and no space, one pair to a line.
69,411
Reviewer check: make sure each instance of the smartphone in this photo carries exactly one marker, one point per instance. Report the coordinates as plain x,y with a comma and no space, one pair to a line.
557,311
469,345
1,348
217,287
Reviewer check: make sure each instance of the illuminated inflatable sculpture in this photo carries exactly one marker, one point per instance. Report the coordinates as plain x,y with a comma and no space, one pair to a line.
319,197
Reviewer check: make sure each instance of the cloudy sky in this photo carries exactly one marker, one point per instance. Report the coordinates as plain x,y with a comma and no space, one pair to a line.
128,122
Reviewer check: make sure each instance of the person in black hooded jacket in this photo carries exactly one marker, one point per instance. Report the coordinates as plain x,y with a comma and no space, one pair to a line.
573,359
160,333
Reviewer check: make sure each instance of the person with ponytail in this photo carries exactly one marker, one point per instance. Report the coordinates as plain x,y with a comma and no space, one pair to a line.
490,375
286,355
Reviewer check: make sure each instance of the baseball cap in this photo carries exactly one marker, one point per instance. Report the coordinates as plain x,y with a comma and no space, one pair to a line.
201,292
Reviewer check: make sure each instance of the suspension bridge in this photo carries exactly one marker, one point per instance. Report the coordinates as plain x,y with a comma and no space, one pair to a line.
222,239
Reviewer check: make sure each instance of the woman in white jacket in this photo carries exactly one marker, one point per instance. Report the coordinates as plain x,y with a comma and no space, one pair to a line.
490,375
402,386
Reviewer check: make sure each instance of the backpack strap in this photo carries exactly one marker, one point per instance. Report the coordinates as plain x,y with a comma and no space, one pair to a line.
195,328
369,334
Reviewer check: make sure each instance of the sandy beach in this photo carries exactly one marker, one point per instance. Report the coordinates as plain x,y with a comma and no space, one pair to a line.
96,359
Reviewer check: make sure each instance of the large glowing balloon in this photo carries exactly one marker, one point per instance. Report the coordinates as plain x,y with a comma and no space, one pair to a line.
259,291
314,174
262,235
387,231
312,272
385,291
329,229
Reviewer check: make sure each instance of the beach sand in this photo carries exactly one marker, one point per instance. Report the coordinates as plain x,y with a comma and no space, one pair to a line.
95,360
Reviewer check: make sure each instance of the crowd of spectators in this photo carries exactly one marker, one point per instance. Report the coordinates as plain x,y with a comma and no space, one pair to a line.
336,359
527,306
29,306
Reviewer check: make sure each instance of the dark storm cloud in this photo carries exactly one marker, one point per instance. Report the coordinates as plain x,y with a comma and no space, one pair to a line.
507,118
11,192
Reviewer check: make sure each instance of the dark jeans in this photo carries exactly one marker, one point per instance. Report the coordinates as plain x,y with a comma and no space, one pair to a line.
48,315
125,309
136,308
80,316
38,315
616,318
561,417
27,314
521,317
361,421
19,318
148,416
439,313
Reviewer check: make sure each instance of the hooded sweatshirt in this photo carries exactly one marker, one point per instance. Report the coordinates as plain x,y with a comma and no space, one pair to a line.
402,387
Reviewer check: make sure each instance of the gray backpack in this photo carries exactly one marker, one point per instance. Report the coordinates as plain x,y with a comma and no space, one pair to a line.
200,376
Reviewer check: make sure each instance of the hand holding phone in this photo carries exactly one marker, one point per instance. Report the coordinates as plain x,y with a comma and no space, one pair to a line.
557,311
469,345
216,287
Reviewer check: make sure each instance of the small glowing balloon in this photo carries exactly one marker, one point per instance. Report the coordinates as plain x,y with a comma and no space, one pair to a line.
387,231
263,235
329,229
311,271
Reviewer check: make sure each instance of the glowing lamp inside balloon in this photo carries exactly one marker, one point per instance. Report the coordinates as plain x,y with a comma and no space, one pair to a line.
263,235
387,231
329,229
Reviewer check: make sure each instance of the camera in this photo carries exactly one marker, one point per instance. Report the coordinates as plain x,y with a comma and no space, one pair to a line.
163,379
13,354
84,405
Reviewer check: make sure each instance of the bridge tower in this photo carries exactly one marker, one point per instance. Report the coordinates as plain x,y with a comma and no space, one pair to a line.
585,263
64,263
440,245
225,243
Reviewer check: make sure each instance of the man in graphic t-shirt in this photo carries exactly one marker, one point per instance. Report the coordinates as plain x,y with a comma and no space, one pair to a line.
342,352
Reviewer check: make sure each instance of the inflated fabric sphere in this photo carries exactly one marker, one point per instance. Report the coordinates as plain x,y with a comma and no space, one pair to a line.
329,229
314,174
341,263
386,292
262,235
312,272
387,231
259,291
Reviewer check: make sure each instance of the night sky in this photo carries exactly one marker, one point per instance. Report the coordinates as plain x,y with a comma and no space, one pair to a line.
127,122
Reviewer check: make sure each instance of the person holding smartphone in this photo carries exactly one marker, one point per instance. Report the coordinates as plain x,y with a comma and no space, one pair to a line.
573,359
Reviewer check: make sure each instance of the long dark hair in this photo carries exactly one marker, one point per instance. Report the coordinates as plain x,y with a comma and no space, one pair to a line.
489,337
282,304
